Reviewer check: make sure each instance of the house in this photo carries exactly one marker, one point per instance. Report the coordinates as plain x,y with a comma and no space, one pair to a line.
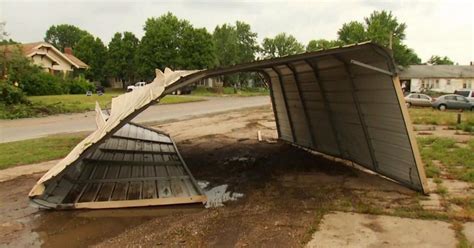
50,58
439,78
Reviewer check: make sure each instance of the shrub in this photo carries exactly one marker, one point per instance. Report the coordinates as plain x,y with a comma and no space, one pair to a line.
43,83
79,85
11,94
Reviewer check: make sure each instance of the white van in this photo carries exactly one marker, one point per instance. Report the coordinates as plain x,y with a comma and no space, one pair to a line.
137,85
467,93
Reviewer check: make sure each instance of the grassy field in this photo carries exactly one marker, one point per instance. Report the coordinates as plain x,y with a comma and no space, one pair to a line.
82,103
37,150
230,91
431,116
58,104
458,160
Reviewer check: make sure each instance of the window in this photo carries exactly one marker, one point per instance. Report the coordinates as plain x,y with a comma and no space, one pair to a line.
424,97
468,84
413,96
448,82
437,84
461,92
450,98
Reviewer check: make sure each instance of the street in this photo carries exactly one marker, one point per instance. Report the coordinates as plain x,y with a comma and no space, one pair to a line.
28,128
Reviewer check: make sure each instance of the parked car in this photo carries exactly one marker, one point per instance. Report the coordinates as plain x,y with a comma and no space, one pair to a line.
417,99
137,85
467,93
99,88
452,101
186,90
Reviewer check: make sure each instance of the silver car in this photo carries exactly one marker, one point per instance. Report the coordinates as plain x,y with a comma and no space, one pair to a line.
417,99
452,102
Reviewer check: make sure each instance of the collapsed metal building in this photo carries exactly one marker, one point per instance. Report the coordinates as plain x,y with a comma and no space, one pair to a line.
344,102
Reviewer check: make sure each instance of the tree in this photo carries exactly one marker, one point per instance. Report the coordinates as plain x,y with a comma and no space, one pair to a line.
3,33
94,53
315,45
196,49
281,45
384,29
235,44
352,32
64,35
382,25
438,60
169,41
121,59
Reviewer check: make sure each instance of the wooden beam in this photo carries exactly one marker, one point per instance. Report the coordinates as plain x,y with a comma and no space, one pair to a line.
136,203
411,135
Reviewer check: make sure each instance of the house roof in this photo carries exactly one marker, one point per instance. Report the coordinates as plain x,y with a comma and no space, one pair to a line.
76,61
30,49
437,71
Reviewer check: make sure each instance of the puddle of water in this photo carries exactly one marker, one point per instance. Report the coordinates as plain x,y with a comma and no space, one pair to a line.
217,196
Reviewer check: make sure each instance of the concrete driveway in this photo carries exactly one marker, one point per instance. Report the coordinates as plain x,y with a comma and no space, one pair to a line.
13,130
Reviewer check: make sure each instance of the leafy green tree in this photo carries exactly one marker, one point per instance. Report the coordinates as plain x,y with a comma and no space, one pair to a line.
121,60
196,49
94,53
381,25
438,60
281,45
169,41
382,28
64,35
226,45
352,32
314,45
235,44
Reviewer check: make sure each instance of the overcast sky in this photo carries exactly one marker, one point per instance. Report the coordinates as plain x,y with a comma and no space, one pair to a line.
434,26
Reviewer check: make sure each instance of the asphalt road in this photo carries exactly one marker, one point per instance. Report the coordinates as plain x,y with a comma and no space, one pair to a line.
13,130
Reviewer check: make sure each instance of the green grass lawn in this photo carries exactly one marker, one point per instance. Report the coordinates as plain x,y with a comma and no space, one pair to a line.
459,161
58,104
429,116
82,103
230,91
37,150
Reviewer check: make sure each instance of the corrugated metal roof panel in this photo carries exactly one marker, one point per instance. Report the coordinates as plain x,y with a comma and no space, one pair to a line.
345,102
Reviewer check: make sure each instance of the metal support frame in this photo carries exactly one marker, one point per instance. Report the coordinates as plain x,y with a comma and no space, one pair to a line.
285,100
139,139
355,62
113,150
272,98
328,107
303,104
350,75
